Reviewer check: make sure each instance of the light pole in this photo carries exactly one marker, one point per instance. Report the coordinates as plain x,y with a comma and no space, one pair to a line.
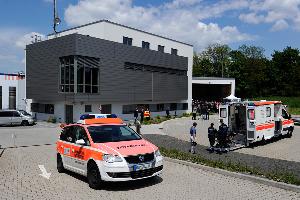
56,20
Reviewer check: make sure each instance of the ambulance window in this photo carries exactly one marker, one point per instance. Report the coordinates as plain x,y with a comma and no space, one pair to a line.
223,112
285,115
268,111
251,114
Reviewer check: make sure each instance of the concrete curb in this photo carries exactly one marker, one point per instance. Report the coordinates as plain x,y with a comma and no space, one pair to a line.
1,152
251,178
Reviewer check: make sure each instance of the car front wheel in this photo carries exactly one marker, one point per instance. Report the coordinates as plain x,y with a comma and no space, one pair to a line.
93,176
25,123
60,164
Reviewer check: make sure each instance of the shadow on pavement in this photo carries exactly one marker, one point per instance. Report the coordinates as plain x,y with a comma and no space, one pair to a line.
121,186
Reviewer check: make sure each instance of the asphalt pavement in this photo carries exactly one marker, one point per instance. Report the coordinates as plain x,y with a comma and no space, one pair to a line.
20,179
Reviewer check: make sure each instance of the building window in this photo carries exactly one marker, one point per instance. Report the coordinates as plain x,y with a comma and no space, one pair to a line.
0,97
145,45
106,109
161,48
184,106
174,51
127,41
87,69
42,108
160,107
149,68
88,108
129,109
173,106
67,74
12,98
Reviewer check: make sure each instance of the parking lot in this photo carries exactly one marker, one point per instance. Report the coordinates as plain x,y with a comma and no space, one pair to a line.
20,179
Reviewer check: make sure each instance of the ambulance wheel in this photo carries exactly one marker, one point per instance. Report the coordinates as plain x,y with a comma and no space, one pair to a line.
263,141
289,133
93,176
60,164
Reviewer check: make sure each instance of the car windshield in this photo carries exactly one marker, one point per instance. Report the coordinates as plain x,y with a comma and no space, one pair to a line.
24,113
112,133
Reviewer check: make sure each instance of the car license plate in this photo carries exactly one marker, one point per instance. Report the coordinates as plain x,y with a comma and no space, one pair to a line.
142,166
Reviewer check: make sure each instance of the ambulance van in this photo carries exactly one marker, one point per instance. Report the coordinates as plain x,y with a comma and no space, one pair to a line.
253,121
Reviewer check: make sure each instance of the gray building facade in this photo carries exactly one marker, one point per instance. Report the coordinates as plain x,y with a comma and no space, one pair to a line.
79,70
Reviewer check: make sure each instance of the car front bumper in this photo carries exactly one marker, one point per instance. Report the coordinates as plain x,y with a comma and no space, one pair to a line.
122,171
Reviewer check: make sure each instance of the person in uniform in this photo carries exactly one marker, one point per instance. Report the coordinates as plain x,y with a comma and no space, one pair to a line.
212,135
223,129
193,138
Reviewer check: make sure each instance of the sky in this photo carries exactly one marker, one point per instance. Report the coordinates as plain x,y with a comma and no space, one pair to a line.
271,24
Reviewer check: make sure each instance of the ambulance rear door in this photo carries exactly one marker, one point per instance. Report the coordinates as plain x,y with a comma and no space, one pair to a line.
270,122
251,121
224,113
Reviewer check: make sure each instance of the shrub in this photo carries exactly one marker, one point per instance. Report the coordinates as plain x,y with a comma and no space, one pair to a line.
52,119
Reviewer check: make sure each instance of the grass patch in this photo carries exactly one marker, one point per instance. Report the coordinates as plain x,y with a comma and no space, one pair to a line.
159,119
292,102
286,177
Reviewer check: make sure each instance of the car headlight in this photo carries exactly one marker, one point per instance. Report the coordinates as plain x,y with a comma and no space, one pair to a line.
157,153
112,158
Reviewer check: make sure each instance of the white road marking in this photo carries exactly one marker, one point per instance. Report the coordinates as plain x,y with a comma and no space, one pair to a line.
44,172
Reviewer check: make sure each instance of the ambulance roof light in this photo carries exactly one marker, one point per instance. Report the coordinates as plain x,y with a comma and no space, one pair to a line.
103,121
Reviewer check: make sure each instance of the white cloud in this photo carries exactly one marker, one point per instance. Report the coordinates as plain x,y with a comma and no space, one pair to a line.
29,38
178,19
12,45
252,18
280,25
281,14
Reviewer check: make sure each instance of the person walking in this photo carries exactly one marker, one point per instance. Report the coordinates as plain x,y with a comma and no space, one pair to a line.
207,112
142,116
136,114
168,112
193,138
194,113
212,136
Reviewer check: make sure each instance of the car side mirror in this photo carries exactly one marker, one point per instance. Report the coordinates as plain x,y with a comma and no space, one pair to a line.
80,142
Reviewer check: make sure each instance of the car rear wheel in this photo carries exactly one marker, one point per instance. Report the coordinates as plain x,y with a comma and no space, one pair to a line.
60,164
93,176
25,123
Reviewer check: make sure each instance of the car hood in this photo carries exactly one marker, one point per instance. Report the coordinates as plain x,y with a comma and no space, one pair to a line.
126,148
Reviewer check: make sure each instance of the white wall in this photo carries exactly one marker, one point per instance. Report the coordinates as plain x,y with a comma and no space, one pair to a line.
12,81
79,109
224,81
112,32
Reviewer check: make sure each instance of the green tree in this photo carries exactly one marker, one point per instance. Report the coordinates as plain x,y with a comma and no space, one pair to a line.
287,65
218,55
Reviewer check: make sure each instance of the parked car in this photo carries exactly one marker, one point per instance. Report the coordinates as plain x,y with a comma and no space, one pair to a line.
15,117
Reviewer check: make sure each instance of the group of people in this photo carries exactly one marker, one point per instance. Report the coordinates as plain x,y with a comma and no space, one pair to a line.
202,108
144,114
213,134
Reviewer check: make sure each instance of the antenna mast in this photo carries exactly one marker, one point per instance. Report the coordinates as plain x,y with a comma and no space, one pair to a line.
56,20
